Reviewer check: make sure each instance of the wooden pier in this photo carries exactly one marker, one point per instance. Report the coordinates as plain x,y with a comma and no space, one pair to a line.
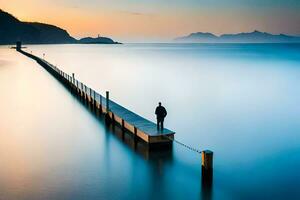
115,113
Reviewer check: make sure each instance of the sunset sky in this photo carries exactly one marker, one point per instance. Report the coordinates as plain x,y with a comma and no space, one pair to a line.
156,20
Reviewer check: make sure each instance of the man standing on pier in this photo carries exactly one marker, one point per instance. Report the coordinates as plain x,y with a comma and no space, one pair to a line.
161,113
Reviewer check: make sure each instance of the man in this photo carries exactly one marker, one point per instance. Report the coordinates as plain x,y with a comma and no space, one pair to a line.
161,113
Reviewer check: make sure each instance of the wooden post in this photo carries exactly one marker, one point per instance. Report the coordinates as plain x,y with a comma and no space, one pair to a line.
85,94
113,118
123,125
68,77
107,101
207,159
77,89
100,104
123,129
95,103
90,97
107,118
70,82
73,78
135,138
207,172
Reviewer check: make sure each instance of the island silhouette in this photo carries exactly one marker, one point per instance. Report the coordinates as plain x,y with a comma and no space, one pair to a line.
252,37
12,30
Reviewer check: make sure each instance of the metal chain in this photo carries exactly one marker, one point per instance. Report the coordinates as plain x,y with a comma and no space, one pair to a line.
182,144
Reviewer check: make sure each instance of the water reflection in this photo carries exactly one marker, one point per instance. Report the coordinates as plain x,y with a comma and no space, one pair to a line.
244,102
207,184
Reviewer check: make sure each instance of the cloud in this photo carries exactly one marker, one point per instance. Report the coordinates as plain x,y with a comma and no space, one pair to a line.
134,13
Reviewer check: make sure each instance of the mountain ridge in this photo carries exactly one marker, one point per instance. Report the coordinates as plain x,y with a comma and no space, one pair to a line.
244,37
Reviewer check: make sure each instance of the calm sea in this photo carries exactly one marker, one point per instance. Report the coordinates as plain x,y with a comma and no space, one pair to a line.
242,101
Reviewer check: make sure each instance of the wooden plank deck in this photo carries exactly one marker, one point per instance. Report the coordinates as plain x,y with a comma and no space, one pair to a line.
134,123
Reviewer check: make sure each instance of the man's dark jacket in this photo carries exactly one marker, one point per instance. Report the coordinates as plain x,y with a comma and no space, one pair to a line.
160,112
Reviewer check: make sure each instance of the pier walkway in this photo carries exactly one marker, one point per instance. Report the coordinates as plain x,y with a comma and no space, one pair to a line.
117,114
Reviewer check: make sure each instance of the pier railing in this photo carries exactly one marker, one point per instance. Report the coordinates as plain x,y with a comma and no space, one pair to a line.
117,114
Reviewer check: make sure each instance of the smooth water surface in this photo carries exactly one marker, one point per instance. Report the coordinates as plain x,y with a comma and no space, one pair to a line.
239,100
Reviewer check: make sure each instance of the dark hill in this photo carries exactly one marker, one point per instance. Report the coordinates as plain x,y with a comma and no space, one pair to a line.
12,30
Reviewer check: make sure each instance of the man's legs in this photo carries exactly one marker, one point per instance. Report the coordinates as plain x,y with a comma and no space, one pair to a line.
157,124
162,124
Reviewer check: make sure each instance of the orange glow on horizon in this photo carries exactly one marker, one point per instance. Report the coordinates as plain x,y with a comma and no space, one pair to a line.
165,25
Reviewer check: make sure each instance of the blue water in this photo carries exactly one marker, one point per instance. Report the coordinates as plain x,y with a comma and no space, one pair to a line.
239,100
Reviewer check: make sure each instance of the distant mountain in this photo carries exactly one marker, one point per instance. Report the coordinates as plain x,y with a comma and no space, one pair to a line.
198,37
252,37
98,40
12,30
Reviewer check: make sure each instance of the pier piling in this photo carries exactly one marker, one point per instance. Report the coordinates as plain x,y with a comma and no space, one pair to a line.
107,118
207,159
207,169
73,77
100,106
107,101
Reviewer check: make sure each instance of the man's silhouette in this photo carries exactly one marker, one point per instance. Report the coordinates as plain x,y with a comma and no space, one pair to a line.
161,113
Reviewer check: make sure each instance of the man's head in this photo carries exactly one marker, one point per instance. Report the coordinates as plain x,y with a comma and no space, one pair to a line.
159,103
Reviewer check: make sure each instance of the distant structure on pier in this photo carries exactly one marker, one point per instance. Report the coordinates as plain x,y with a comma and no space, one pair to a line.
19,45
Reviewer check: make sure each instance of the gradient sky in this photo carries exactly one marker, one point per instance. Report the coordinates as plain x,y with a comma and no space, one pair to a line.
159,20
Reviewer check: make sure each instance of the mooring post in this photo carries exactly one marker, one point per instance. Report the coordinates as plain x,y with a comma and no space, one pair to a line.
107,118
91,102
85,93
123,129
135,138
77,89
113,118
100,104
73,78
69,81
207,159
207,169
95,103
107,101
123,125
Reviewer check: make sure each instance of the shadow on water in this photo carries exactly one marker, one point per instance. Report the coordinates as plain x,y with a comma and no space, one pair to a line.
206,184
